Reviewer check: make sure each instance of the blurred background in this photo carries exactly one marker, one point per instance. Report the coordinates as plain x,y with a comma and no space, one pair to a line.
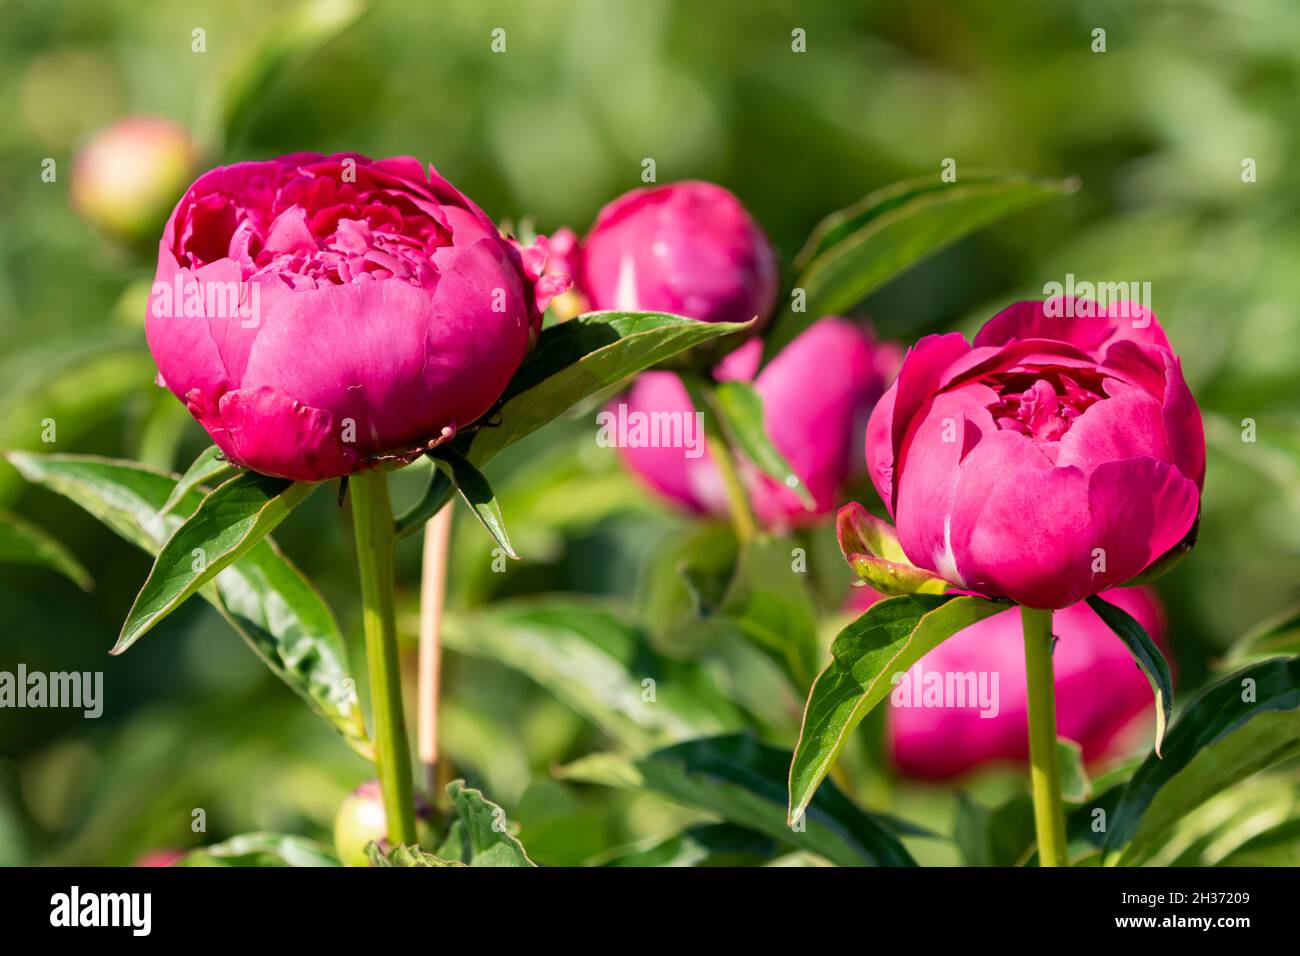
1157,129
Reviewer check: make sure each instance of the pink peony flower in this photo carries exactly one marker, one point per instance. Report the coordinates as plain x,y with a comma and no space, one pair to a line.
689,248
316,313
816,395
1100,691
126,178
1056,457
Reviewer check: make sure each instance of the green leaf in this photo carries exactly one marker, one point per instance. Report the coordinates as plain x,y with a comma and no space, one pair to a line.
261,849
405,856
480,835
583,357
1280,634
226,524
573,361
595,660
708,844
207,466
740,408
860,248
476,492
23,543
888,639
1147,655
996,836
1241,724
769,604
288,43
436,494
742,781
1075,785
265,598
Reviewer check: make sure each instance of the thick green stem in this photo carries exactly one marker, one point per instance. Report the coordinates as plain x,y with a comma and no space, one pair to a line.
372,518
742,516
1044,758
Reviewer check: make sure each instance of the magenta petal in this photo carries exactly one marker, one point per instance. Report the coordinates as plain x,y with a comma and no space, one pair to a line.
1140,508
880,447
1019,526
923,370
283,437
1128,424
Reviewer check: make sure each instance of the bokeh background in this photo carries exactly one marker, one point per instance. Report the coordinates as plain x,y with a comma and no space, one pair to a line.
1156,129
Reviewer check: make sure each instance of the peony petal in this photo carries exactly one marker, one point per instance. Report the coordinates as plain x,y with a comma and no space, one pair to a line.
281,436
1140,509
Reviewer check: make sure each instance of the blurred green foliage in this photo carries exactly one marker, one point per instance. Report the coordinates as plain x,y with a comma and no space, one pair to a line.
1156,128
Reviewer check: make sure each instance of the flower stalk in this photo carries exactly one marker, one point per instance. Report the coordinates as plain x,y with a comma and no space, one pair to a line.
1044,758
375,535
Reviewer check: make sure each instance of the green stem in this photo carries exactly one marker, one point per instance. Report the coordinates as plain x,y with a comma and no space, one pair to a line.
1044,758
742,516
372,518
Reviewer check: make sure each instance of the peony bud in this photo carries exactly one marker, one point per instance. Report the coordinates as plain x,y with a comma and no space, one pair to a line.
1058,456
127,177
689,248
361,821
320,314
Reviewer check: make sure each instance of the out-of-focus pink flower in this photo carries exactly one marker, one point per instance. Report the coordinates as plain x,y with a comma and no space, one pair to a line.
689,248
362,820
1059,455
159,858
1100,691
816,395
129,174
316,312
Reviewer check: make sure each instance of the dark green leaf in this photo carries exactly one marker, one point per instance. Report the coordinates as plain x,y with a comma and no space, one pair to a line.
887,640
263,596
480,834
858,249
742,781
1147,655
708,844
226,524
23,543
740,409
1241,724
437,493
209,465
476,492
583,357
261,849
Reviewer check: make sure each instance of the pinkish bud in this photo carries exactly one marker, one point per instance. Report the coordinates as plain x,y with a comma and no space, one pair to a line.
130,174
689,248
361,821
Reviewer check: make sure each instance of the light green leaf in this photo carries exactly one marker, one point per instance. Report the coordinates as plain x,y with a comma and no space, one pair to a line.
888,639
1075,785
708,844
476,492
742,781
1280,634
860,248
599,663
208,466
405,856
1237,726
265,598
1147,655
480,834
261,849
226,524
740,409
21,542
